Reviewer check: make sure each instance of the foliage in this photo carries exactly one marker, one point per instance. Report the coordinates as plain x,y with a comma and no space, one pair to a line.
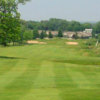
60,34
42,35
9,22
45,35
99,38
56,24
97,27
35,34
50,35
87,25
28,35
91,42
22,1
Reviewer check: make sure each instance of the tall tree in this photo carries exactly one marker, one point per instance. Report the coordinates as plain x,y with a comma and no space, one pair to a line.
50,35
60,34
97,27
42,35
9,21
35,34
45,34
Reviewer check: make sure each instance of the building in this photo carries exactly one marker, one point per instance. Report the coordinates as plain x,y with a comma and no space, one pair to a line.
68,34
54,33
87,33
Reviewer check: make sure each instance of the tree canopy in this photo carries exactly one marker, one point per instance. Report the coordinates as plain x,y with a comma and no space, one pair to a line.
56,24
9,21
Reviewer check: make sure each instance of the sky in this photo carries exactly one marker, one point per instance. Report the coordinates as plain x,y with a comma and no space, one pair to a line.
79,10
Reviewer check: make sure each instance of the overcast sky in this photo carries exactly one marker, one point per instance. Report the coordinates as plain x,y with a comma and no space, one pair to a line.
80,10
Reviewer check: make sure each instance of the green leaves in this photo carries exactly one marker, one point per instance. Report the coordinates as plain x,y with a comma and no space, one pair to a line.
35,34
60,34
22,1
9,22
50,35
12,1
42,35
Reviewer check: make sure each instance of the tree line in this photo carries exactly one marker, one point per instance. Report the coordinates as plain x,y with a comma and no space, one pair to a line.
54,24
30,28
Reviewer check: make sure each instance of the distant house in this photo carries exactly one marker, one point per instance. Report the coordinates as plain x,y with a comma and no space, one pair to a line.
87,33
84,35
68,34
40,31
54,33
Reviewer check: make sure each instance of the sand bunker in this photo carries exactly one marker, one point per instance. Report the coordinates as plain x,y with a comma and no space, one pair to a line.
35,42
42,43
32,42
72,43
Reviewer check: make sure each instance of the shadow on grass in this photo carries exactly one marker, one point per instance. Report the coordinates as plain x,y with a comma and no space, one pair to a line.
79,62
6,57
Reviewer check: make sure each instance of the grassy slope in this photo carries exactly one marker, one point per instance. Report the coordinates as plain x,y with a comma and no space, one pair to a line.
49,72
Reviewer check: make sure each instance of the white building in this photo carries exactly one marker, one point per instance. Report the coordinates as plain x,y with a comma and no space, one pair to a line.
88,30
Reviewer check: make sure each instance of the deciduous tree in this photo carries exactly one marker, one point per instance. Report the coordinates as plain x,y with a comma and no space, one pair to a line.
9,21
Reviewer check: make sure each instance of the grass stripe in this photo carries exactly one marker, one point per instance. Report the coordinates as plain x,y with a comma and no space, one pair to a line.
92,74
63,79
79,78
11,75
22,85
7,65
44,87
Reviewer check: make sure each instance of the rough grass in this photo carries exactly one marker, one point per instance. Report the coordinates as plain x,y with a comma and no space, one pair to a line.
55,71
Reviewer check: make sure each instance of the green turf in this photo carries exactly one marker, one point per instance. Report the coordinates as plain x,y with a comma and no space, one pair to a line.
54,71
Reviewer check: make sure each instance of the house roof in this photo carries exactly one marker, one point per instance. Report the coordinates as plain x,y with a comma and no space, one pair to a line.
69,34
86,33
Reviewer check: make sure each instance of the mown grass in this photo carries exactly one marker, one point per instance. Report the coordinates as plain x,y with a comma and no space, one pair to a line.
54,71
